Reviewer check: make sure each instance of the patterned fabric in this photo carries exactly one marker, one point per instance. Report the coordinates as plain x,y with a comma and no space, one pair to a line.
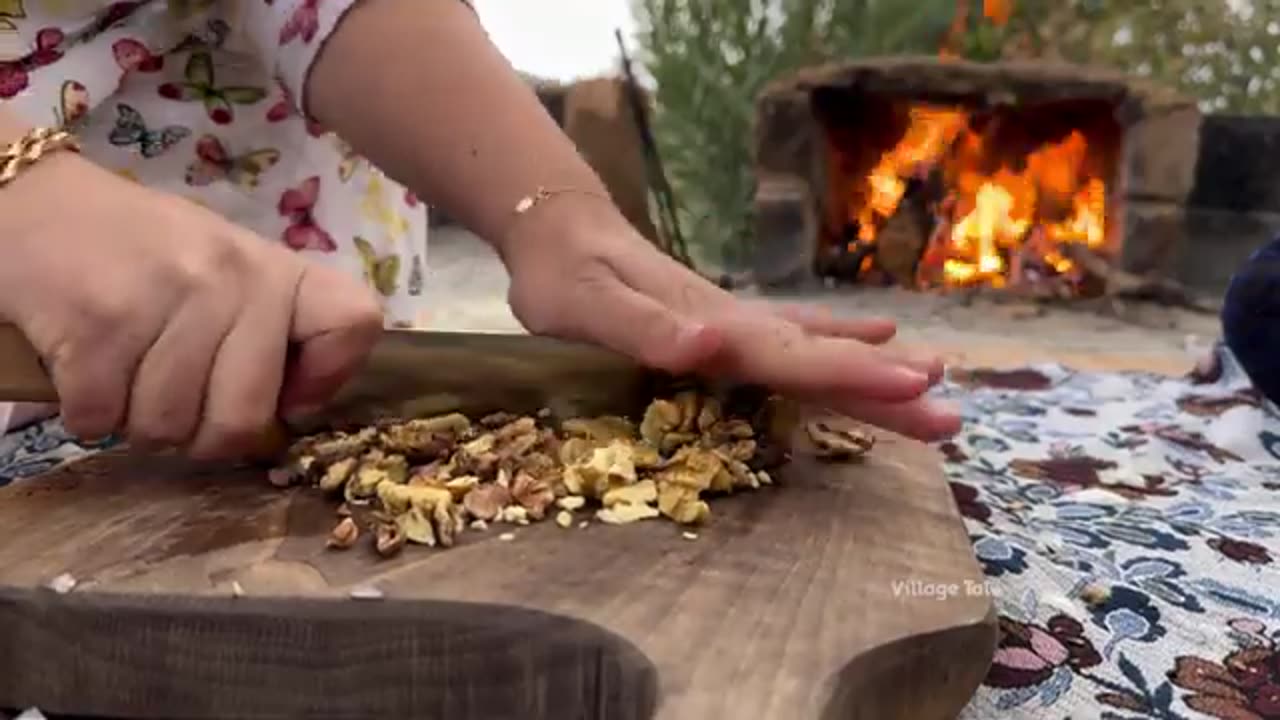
1128,527
200,98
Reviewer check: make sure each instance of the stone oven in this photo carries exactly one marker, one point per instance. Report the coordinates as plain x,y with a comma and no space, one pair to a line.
935,173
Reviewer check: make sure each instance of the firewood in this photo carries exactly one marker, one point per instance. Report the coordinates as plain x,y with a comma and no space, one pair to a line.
1123,285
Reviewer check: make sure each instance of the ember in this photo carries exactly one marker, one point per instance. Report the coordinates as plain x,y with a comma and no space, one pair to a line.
998,217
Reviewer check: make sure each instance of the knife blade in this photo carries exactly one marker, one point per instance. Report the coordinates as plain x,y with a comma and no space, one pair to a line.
412,373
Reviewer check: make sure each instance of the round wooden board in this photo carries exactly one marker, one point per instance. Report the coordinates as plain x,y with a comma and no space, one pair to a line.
847,591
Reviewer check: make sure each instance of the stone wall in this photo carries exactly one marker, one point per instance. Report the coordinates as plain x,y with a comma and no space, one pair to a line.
1235,205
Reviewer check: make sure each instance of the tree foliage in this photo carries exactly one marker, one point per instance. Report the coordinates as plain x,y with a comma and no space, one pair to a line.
1226,53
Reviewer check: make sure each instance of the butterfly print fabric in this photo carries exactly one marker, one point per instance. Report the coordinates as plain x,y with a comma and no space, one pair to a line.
200,98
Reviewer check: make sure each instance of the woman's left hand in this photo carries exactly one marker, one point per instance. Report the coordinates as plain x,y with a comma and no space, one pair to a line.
592,278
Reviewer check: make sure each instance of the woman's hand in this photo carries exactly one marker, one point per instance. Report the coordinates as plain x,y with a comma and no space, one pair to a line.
581,272
163,321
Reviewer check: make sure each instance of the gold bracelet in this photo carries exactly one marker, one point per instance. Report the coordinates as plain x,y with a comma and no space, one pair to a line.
528,202
28,149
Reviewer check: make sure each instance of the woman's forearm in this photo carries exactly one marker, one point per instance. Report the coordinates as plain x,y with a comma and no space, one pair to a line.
418,88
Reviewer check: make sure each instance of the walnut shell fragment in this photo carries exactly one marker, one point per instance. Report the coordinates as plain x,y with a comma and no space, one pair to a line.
839,443
344,534
389,539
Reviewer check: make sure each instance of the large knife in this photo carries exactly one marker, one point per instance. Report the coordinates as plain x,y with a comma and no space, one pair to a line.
413,373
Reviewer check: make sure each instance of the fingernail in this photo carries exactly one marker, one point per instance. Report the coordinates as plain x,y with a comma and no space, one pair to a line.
912,377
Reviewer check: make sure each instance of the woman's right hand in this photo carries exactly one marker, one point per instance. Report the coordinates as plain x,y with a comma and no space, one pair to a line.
164,322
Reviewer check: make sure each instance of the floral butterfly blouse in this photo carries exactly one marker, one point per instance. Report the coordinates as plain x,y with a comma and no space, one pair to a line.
200,98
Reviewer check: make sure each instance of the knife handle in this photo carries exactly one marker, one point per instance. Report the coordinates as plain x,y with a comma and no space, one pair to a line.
23,377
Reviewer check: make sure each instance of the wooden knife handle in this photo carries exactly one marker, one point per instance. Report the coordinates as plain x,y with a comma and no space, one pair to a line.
22,375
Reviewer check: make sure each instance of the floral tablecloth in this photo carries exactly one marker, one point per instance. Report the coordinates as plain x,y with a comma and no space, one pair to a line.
1129,525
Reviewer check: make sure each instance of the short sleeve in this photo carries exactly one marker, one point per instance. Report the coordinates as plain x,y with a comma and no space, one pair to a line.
291,33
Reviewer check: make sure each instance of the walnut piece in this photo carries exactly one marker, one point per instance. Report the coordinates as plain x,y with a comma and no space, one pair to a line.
344,534
839,443
487,501
389,539
534,495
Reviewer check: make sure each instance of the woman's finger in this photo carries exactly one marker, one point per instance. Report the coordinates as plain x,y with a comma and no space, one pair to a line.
243,393
169,388
779,354
818,320
335,323
925,419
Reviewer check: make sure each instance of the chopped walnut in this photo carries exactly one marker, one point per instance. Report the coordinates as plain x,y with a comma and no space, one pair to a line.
416,527
514,515
690,404
710,414
626,513
613,464
571,502
641,493
601,430
427,480
660,418
459,487
389,539
344,534
336,475
375,468
326,449
423,440
486,501
681,503
534,495
839,443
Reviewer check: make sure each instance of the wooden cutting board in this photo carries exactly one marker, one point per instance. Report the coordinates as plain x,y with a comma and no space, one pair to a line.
847,591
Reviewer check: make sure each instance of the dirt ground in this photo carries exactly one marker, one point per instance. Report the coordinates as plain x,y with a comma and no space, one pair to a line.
467,286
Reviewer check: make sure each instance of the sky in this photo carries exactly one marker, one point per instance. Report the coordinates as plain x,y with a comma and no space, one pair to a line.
558,39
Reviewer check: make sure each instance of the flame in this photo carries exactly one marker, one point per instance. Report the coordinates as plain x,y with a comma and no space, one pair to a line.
997,11
989,224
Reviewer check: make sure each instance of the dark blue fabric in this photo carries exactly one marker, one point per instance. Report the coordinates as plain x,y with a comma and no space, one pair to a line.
1251,319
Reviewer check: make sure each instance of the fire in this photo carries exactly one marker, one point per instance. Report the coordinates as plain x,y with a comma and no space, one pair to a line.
990,226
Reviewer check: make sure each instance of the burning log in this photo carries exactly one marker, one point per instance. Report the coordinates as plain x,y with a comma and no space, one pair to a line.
905,236
1119,284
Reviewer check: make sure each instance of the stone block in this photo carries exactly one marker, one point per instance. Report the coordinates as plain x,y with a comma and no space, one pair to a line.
1161,149
786,233
788,138
1218,243
1239,164
1155,235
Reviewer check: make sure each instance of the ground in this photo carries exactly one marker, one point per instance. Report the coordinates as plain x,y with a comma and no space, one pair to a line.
467,287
